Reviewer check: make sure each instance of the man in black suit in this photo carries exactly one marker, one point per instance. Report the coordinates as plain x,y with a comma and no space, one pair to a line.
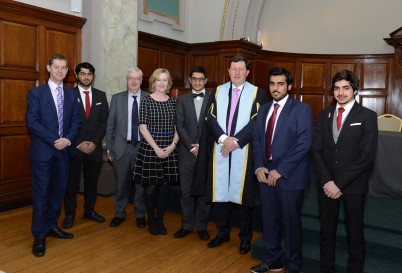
94,111
344,147
190,113
231,179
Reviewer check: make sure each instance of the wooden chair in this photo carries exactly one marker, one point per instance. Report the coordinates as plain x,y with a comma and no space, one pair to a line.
388,122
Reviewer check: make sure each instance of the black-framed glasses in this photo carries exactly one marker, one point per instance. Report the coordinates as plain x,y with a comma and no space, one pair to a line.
194,79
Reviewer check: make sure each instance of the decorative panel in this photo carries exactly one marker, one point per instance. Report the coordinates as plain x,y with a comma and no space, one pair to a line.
14,167
377,104
375,76
210,63
336,67
148,61
18,45
175,63
63,43
261,69
313,76
13,101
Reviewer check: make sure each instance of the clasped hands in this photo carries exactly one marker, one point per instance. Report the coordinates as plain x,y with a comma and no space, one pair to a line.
229,145
331,190
268,177
61,143
87,147
165,152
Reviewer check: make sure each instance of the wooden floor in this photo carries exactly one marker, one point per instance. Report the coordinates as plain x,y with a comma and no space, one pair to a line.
98,248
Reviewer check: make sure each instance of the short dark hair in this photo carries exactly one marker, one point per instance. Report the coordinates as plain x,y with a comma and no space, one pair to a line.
199,69
86,65
278,71
349,76
56,57
240,58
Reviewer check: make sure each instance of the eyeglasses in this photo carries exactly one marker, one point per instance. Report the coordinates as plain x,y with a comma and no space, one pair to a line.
194,79
134,79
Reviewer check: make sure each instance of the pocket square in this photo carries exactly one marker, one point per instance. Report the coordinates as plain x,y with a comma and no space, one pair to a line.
355,124
98,103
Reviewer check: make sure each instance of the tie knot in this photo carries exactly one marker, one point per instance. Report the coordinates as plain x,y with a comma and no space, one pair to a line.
59,89
135,98
236,90
341,110
276,106
86,92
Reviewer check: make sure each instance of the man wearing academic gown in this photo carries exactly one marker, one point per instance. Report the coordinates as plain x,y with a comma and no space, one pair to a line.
231,180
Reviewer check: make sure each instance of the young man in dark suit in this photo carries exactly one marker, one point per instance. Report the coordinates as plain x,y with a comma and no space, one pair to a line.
94,111
283,134
123,147
53,120
191,109
344,147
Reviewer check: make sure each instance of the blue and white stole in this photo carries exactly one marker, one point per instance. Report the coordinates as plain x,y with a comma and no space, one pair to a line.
228,183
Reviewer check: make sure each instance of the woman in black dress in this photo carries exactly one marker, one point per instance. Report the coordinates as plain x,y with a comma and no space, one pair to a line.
156,165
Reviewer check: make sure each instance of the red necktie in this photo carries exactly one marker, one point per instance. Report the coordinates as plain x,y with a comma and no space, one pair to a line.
87,104
270,131
339,117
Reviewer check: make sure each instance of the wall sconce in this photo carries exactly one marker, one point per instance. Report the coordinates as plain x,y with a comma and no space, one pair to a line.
76,6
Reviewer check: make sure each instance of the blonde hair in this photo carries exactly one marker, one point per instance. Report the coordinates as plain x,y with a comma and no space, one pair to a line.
155,76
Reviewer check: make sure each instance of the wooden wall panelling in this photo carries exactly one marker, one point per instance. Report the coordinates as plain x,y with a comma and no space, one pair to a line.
28,36
209,61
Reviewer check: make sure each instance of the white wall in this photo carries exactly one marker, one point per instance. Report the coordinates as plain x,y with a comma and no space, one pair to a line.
56,5
332,27
203,19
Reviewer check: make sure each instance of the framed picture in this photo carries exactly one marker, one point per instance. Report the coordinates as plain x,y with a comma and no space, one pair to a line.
170,12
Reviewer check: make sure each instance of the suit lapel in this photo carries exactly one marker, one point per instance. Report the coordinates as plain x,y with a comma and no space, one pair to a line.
80,102
204,106
354,112
49,98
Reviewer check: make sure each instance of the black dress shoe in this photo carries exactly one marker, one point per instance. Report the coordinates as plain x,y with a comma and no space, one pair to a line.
181,233
94,216
39,247
116,221
263,267
204,235
245,247
58,233
217,241
68,221
141,223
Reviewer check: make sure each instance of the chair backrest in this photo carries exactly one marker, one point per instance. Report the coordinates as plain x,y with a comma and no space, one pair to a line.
388,122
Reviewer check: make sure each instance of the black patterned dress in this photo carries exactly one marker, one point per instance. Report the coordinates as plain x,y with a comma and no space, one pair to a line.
160,118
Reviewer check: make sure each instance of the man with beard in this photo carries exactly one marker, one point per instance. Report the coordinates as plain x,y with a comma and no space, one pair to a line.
94,112
283,132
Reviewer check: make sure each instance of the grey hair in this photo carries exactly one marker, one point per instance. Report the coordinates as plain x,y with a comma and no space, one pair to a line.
134,69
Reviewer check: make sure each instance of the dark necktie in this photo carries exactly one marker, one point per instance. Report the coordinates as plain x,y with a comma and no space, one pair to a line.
339,117
270,131
87,104
60,108
134,122
198,95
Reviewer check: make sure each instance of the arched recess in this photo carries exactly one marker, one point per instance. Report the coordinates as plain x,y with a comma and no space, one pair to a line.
241,19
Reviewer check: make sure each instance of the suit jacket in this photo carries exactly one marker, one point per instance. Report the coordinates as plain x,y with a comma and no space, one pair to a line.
291,143
42,121
348,161
116,129
189,130
93,128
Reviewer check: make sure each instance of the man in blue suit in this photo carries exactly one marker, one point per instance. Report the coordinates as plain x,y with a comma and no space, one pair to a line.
284,132
53,120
